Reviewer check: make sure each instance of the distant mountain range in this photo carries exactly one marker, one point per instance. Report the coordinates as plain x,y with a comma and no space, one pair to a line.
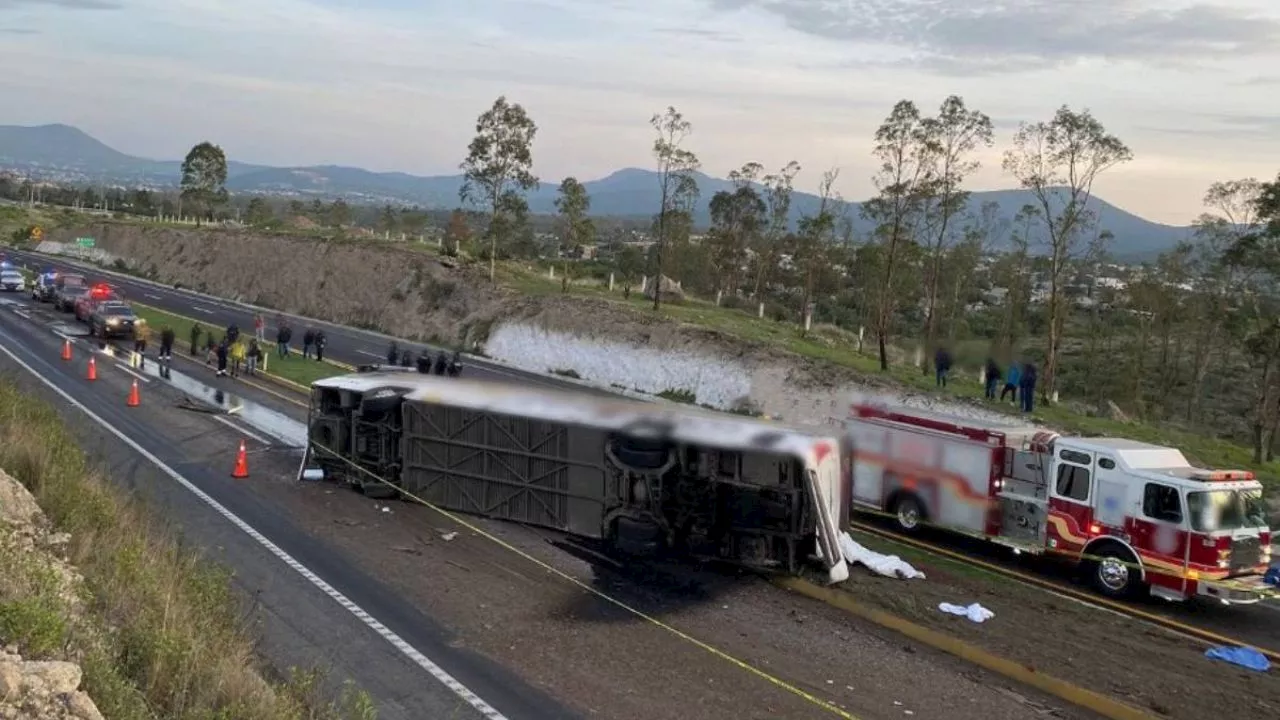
67,154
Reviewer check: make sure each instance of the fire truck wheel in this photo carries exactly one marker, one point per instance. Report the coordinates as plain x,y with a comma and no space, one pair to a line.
908,512
1115,572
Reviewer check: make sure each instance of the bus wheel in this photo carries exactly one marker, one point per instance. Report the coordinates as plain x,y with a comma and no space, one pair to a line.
1115,573
908,512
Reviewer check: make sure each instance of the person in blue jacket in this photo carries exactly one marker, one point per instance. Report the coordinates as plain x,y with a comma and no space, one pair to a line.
1011,379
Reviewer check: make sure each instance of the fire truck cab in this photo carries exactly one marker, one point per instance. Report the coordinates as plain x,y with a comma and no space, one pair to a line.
1136,516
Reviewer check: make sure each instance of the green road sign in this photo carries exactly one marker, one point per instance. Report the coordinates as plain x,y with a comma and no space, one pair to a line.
86,242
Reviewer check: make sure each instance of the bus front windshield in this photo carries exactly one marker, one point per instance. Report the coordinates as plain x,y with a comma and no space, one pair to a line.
1227,510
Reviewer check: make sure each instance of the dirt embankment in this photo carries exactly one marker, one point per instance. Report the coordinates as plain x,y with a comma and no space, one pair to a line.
417,295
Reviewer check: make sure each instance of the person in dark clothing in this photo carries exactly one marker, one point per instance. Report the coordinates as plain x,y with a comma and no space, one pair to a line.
455,364
1027,388
253,357
993,378
424,362
442,363
196,331
308,339
1011,381
942,366
320,340
393,353
166,343
284,334
222,352
233,333
406,358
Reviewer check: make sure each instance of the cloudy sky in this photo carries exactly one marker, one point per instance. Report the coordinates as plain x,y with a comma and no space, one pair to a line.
1193,86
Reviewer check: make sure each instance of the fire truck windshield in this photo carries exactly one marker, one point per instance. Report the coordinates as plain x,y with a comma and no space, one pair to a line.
1226,510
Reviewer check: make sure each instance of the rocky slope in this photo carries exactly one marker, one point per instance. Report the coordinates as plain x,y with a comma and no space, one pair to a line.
29,689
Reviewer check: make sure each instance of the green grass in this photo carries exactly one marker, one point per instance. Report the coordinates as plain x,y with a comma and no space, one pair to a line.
155,627
294,368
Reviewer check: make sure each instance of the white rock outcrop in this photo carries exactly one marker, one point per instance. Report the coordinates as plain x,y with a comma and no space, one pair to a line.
38,689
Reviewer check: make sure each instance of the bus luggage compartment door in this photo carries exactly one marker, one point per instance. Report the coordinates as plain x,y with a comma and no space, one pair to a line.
506,467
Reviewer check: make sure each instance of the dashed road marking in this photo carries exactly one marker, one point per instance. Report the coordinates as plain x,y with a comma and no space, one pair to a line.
153,297
206,311
421,660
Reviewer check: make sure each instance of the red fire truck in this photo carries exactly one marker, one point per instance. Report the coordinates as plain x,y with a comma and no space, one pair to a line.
1136,516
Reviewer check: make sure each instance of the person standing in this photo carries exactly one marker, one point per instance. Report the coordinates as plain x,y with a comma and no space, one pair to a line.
166,343
1027,388
259,327
308,339
942,366
196,330
320,340
283,335
222,352
992,378
141,333
237,353
251,357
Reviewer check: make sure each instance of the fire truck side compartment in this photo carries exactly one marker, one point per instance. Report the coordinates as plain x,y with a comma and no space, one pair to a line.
888,455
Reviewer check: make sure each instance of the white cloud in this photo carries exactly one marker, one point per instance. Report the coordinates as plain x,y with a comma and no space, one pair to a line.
396,84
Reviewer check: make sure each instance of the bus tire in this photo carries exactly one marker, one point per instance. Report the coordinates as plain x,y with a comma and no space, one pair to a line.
1114,571
909,513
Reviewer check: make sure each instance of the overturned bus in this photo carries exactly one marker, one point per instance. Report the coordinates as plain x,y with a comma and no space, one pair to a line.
640,477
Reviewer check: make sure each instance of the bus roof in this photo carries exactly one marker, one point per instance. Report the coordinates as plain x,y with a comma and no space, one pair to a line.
681,423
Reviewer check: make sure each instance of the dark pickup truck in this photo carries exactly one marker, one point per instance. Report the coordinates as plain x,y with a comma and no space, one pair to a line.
112,318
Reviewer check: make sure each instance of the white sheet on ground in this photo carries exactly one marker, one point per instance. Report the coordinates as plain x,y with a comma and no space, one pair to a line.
974,612
887,565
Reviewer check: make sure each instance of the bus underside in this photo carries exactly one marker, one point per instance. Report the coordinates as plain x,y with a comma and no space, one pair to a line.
639,492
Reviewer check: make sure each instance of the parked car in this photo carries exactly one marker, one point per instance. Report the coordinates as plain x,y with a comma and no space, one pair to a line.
113,318
65,290
12,281
65,298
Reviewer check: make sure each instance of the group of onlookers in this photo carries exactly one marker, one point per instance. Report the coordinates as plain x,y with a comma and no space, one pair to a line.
1019,379
233,355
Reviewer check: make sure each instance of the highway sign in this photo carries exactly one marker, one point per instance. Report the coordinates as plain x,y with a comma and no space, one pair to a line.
86,242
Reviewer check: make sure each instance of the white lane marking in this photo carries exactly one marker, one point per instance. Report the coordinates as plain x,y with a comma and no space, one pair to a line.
153,297
143,378
22,313
386,633
206,311
372,355
244,431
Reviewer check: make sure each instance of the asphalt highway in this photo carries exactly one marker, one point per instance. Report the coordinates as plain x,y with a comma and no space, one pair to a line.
346,344
334,614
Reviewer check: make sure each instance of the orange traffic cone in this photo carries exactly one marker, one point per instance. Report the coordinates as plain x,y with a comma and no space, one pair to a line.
66,349
242,463
93,370
134,399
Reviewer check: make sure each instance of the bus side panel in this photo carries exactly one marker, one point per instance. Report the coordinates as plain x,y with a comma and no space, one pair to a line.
506,467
